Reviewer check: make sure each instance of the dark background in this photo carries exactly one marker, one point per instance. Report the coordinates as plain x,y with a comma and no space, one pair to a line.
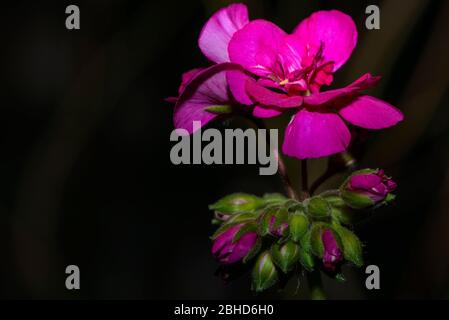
85,173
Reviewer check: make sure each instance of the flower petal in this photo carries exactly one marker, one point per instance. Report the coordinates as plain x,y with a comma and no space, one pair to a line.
266,112
365,82
371,113
315,135
336,30
207,88
364,181
270,98
186,77
237,84
219,29
256,46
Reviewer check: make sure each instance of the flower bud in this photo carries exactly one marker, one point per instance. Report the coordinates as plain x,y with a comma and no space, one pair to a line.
332,255
285,256
238,202
278,226
318,208
264,272
367,188
274,221
228,248
299,225
352,247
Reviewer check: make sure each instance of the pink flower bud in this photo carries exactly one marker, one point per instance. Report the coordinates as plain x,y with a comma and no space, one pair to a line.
332,255
365,189
227,251
277,231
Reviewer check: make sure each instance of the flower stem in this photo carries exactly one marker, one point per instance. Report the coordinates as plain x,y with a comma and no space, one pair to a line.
316,285
282,170
305,180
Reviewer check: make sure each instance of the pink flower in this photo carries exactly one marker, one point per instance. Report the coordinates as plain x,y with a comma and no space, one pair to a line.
288,72
332,255
227,251
202,88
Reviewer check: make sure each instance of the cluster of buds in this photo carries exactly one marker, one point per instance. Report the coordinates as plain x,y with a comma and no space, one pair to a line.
280,236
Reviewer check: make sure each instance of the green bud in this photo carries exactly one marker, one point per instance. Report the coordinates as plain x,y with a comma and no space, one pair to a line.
318,208
274,198
273,220
219,109
315,240
264,273
298,225
352,247
242,217
306,259
285,256
237,202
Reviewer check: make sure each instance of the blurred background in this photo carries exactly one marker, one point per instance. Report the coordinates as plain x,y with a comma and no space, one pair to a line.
85,173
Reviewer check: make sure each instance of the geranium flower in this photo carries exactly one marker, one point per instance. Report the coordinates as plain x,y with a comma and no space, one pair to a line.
288,72
203,88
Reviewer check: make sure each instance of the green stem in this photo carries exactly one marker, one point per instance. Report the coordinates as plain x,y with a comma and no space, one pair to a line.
316,285
282,168
305,180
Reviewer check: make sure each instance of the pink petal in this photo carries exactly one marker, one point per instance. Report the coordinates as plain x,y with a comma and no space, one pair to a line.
315,135
325,97
365,82
208,88
218,31
364,181
186,77
237,84
336,30
371,113
266,112
256,47
267,97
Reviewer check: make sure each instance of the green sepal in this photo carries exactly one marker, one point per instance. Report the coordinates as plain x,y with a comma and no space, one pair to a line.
318,208
264,274
356,200
298,226
285,256
242,217
351,245
250,227
341,212
254,251
237,202
340,277
219,109
306,259
274,198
